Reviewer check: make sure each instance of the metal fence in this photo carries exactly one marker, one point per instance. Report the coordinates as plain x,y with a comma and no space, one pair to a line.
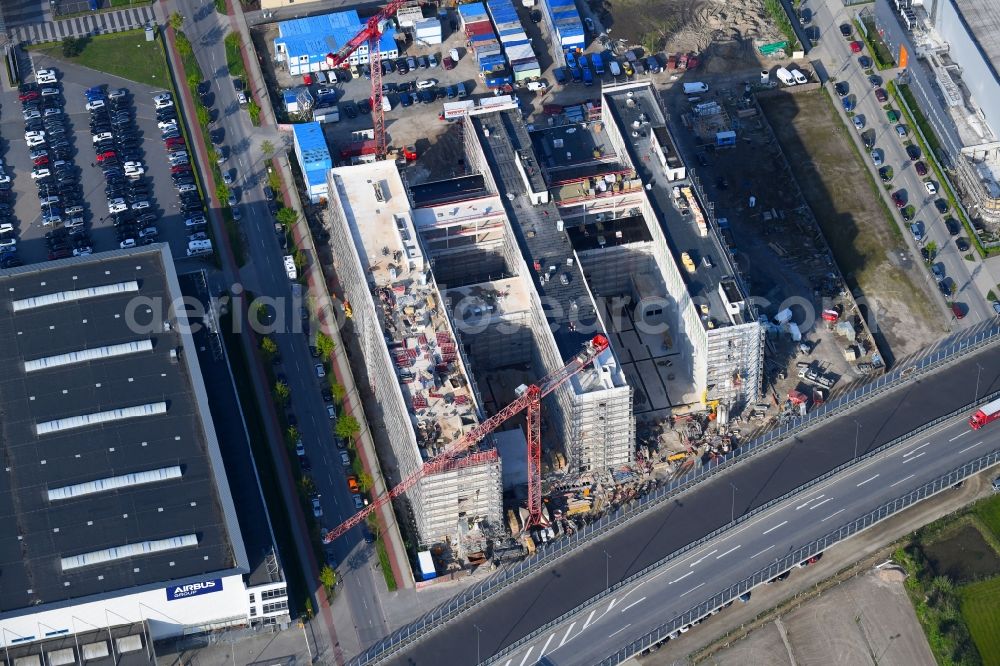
780,565
948,351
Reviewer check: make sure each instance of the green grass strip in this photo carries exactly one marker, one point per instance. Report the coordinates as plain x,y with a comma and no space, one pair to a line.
384,565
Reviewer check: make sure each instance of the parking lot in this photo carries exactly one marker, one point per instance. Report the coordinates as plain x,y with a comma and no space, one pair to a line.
73,82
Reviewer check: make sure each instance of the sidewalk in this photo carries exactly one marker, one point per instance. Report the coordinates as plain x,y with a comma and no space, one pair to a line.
80,26
327,316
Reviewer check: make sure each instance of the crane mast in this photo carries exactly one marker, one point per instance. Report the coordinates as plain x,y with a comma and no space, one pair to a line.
529,399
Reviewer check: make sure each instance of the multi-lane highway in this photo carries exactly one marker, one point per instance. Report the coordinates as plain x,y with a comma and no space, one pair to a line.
843,66
577,577
264,275
600,629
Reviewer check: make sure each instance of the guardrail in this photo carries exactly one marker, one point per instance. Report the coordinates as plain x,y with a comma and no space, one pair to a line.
779,566
948,351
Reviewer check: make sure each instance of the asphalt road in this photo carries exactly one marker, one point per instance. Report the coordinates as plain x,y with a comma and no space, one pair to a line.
843,65
578,577
264,275
599,630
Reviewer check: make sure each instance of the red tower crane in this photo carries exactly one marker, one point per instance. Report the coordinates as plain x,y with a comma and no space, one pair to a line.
528,399
371,33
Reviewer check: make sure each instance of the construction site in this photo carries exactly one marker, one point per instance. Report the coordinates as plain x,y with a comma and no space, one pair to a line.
554,330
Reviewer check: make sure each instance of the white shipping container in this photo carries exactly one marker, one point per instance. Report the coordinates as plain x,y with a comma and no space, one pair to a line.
519,52
427,25
430,39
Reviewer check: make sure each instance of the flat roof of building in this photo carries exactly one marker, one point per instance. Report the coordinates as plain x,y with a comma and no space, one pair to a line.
574,151
681,233
317,36
81,338
430,371
983,19
440,192
547,250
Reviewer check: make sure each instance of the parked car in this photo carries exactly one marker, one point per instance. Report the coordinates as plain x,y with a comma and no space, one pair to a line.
921,168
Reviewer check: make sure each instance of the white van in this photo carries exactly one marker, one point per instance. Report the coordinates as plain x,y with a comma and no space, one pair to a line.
197,247
614,68
695,88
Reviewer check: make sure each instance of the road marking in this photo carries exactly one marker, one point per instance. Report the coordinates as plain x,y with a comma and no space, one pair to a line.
546,646
527,654
901,480
913,458
564,638
828,499
800,506
639,601
970,447
507,663
693,589
762,552
832,515
589,618
910,453
729,551
705,556
957,436
681,578
621,630
784,522
869,479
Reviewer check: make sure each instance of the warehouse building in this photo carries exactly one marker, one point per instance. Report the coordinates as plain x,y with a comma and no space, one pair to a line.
118,524
313,156
307,44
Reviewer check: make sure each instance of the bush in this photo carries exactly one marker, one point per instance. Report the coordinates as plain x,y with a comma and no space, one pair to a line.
287,216
347,427
254,112
72,47
777,13
325,345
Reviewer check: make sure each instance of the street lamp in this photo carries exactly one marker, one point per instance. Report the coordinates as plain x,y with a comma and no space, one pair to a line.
607,582
478,631
732,505
979,373
857,433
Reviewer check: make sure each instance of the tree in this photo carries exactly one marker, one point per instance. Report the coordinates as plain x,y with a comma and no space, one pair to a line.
176,20
269,347
338,390
328,577
347,427
72,47
282,393
325,346
254,112
267,148
287,216
292,434
300,261
183,45
203,116
365,482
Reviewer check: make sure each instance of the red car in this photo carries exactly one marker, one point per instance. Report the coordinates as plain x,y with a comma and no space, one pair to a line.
180,169
59,254
171,143
898,199
880,95
957,309
40,161
921,168
856,47
29,96
448,62
109,155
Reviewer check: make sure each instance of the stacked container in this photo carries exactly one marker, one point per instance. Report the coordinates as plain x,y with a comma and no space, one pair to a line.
485,46
566,21
516,45
427,31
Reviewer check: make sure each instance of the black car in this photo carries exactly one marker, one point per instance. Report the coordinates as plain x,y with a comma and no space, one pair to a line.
842,88
953,226
941,205
351,110
846,30
913,152
365,106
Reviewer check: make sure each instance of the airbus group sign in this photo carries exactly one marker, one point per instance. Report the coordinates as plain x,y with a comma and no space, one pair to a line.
175,592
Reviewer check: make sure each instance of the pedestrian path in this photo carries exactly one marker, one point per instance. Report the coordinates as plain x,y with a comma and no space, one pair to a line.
82,26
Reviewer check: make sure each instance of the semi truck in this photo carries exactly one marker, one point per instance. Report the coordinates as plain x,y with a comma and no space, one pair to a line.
985,414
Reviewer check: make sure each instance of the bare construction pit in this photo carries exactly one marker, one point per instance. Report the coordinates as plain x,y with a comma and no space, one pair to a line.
872,256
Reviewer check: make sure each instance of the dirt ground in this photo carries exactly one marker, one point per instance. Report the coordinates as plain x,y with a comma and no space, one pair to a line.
872,257
685,25
865,620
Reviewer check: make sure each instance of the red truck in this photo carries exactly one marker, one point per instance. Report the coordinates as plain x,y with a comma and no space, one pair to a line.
985,414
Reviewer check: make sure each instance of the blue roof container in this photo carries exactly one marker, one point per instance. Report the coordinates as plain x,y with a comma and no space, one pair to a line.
472,9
